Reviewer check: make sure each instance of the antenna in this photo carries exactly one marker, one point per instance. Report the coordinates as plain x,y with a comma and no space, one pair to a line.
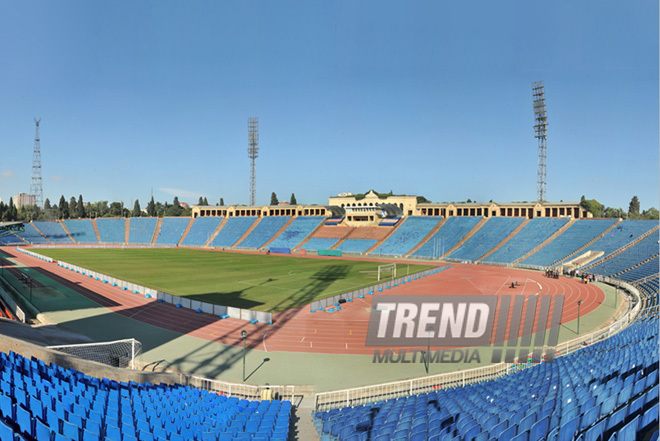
253,153
36,187
540,130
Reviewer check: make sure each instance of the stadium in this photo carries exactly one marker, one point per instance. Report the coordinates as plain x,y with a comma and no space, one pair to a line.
300,282
453,263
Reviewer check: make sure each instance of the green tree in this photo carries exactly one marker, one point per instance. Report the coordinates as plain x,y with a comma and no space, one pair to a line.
80,208
116,209
293,201
63,209
592,206
201,201
137,212
47,204
273,199
633,209
206,202
73,206
222,202
174,209
651,213
151,208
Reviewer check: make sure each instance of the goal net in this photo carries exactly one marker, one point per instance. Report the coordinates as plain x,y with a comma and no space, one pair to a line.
120,353
387,271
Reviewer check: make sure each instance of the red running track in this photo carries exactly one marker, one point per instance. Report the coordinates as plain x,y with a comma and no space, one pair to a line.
342,332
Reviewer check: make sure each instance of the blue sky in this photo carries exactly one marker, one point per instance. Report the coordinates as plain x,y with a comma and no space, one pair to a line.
430,98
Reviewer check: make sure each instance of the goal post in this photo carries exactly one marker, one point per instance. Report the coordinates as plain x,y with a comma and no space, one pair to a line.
387,271
119,353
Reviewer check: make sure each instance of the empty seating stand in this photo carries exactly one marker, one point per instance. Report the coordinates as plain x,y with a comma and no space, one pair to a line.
111,230
53,231
141,230
494,231
454,229
171,230
356,246
575,237
264,231
407,236
298,230
201,231
232,231
319,243
645,249
604,390
81,230
529,237
47,402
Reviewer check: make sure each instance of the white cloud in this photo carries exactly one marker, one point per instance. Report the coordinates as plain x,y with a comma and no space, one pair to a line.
7,174
60,178
181,193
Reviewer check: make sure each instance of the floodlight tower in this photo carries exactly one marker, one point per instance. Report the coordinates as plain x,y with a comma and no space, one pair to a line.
36,188
540,130
253,153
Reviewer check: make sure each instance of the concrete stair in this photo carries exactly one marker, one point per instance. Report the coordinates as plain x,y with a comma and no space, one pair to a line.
159,224
466,237
186,231
506,239
68,233
427,237
96,230
221,225
284,227
309,236
127,229
382,241
343,239
555,235
625,247
247,233
42,234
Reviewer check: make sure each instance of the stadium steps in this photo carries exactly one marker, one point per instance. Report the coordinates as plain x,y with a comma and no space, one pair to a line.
427,237
221,225
96,230
558,233
309,236
186,231
583,259
248,232
343,239
159,224
127,229
574,253
37,230
387,236
284,227
466,237
68,233
506,239
623,248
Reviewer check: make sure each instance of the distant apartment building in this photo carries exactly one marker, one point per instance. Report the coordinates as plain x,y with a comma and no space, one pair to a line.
23,199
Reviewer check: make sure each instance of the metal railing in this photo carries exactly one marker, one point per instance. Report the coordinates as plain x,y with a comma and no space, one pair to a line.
243,391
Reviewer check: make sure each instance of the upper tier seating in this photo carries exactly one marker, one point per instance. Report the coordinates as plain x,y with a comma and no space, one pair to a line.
529,237
264,231
53,231
357,246
81,230
141,229
607,388
404,239
494,231
319,243
10,240
111,230
641,272
201,231
232,231
622,234
454,229
641,251
31,235
48,402
298,230
575,237
171,230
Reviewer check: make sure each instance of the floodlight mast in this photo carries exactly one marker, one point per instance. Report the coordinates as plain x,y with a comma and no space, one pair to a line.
540,131
36,188
253,153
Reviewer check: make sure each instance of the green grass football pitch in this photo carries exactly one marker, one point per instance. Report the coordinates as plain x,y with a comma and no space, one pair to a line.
250,281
